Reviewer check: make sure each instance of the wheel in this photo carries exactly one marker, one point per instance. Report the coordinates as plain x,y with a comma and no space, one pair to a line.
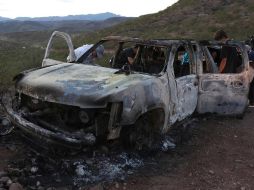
6,126
145,134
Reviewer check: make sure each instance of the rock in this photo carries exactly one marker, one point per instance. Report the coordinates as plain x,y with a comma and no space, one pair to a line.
80,170
51,188
38,183
34,161
12,148
41,188
243,188
2,174
117,185
14,172
4,179
97,187
58,180
239,161
89,162
104,149
15,186
9,182
34,169
211,172
167,144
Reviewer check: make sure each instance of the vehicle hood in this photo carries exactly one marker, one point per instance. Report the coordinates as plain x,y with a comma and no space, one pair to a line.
77,84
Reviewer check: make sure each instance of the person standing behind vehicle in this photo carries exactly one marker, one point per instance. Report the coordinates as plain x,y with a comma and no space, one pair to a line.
251,72
230,58
96,54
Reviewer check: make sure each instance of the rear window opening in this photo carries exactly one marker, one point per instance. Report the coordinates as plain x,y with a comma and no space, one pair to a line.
222,59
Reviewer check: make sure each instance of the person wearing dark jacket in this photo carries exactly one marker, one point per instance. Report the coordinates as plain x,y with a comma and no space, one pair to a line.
127,56
230,58
251,91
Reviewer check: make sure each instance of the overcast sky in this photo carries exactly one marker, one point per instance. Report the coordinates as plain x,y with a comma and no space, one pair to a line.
41,8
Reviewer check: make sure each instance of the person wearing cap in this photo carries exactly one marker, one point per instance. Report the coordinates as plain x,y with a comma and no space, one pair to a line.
97,53
230,59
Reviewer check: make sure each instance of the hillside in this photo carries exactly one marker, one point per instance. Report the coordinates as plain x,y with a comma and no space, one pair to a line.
197,19
34,38
14,58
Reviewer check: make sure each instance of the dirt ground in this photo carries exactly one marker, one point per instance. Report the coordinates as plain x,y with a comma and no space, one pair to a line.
220,155
214,153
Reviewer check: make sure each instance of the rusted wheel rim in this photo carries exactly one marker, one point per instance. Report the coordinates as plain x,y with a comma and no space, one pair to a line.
6,126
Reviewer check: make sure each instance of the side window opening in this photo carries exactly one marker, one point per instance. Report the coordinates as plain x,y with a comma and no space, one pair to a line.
150,59
59,50
153,59
210,59
127,53
147,59
116,57
222,59
110,50
182,62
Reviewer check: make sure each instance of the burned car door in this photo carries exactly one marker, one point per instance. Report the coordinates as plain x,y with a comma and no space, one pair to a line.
71,58
223,93
186,82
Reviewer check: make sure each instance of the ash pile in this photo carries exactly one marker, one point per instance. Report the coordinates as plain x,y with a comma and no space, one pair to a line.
40,171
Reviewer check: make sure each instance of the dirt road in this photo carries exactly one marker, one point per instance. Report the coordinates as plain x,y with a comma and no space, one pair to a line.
220,155
213,153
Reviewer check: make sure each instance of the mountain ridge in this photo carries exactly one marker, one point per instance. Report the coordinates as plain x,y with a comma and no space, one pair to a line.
64,25
89,17
4,19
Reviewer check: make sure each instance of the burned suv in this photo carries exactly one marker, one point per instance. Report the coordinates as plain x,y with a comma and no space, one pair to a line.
75,104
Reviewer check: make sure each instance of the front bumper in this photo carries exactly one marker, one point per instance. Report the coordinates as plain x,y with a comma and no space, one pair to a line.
32,130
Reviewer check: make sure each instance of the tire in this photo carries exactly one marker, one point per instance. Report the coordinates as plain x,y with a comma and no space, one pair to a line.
145,134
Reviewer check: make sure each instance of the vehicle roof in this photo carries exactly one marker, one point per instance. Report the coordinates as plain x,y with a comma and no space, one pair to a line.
158,42
167,42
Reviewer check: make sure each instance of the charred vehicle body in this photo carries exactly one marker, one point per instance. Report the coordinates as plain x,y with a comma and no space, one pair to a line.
75,104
